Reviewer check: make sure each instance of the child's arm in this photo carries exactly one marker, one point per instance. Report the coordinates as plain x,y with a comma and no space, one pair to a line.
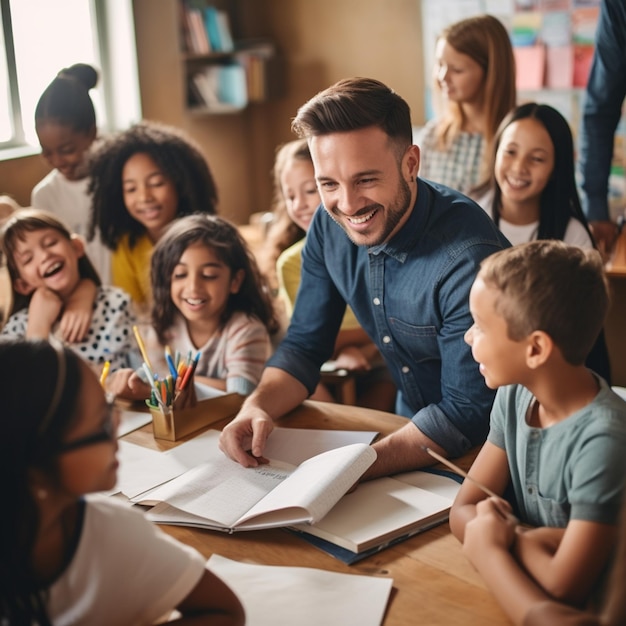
211,601
566,562
126,384
491,469
78,312
43,311
488,540
216,383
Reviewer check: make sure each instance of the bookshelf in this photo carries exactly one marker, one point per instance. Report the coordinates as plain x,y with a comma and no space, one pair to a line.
224,74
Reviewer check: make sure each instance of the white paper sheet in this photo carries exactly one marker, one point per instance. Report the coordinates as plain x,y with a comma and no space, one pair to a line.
303,596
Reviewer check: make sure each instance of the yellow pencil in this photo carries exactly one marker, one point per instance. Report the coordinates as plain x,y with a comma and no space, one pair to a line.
142,347
105,372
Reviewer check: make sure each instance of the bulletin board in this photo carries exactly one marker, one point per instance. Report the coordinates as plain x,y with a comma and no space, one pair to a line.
553,43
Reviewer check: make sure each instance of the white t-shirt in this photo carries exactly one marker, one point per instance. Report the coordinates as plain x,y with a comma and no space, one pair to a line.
70,202
575,233
125,570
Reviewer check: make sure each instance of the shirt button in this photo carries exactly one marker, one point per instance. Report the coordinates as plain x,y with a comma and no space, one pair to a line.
530,490
376,301
405,369
386,339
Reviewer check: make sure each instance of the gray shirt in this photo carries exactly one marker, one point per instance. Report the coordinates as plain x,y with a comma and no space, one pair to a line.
574,469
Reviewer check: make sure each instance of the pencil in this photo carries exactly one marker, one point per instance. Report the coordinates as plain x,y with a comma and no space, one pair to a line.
105,372
458,470
142,347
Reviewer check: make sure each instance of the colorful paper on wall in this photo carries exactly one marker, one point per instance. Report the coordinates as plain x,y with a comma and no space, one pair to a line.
530,66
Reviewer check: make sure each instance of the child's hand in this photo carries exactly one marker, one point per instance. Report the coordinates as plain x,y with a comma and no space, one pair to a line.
125,383
78,311
352,359
492,528
43,311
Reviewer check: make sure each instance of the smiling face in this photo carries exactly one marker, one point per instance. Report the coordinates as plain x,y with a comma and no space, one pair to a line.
524,164
501,360
46,258
297,184
149,194
362,185
64,148
460,77
200,288
93,466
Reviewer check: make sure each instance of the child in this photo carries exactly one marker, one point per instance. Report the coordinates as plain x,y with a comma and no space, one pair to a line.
558,432
294,180
475,74
46,266
142,179
65,121
487,544
533,192
209,297
67,558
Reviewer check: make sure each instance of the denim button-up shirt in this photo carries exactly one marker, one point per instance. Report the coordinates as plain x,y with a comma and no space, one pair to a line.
411,296
606,89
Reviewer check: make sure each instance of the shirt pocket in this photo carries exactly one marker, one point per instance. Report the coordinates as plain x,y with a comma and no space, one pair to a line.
419,341
553,512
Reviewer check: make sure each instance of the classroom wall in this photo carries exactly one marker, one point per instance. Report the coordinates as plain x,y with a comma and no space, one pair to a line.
321,42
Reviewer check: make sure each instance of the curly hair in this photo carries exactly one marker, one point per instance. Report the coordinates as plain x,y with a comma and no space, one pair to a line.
175,154
224,239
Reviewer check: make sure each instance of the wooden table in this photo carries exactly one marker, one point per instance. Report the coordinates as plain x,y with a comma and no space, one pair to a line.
433,583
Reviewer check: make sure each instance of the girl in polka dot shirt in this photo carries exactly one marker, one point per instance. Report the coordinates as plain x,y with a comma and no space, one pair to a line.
47,265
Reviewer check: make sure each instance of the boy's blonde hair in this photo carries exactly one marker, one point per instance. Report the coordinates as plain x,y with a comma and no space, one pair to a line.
553,287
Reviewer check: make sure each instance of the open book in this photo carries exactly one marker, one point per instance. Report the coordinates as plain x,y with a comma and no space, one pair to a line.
220,494
382,512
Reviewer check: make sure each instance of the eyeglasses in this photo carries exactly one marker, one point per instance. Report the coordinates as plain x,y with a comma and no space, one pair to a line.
105,434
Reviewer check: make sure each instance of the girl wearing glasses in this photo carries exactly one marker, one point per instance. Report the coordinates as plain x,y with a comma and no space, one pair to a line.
68,557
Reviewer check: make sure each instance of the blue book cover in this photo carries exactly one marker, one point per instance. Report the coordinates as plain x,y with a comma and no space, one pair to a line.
212,28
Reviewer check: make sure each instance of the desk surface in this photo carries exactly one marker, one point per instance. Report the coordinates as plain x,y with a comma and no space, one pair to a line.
432,581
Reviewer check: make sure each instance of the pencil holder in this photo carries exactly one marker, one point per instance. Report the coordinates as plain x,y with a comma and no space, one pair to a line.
181,420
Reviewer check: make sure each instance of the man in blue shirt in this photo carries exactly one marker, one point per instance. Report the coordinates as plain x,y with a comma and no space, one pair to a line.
403,253
606,89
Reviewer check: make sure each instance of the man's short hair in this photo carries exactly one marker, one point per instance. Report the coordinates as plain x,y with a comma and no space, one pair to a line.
553,287
353,104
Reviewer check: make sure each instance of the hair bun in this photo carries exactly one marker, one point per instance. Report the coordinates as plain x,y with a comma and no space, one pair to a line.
83,73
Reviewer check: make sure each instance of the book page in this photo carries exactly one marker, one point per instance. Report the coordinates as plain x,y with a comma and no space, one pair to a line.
302,596
295,445
316,485
219,490
381,510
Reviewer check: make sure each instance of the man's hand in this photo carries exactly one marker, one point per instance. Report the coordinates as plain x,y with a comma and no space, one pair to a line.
605,233
243,440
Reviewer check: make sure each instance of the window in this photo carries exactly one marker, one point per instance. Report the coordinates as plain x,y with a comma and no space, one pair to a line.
41,37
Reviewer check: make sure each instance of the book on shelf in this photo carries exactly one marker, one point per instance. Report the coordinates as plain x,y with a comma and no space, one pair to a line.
383,512
220,494
217,26
219,87
194,36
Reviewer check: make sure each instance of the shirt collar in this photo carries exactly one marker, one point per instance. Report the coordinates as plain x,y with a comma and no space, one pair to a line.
406,239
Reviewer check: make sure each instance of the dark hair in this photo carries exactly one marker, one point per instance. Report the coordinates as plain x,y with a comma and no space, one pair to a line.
559,200
34,422
66,99
15,229
224,239
550,286
353,104
180,160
